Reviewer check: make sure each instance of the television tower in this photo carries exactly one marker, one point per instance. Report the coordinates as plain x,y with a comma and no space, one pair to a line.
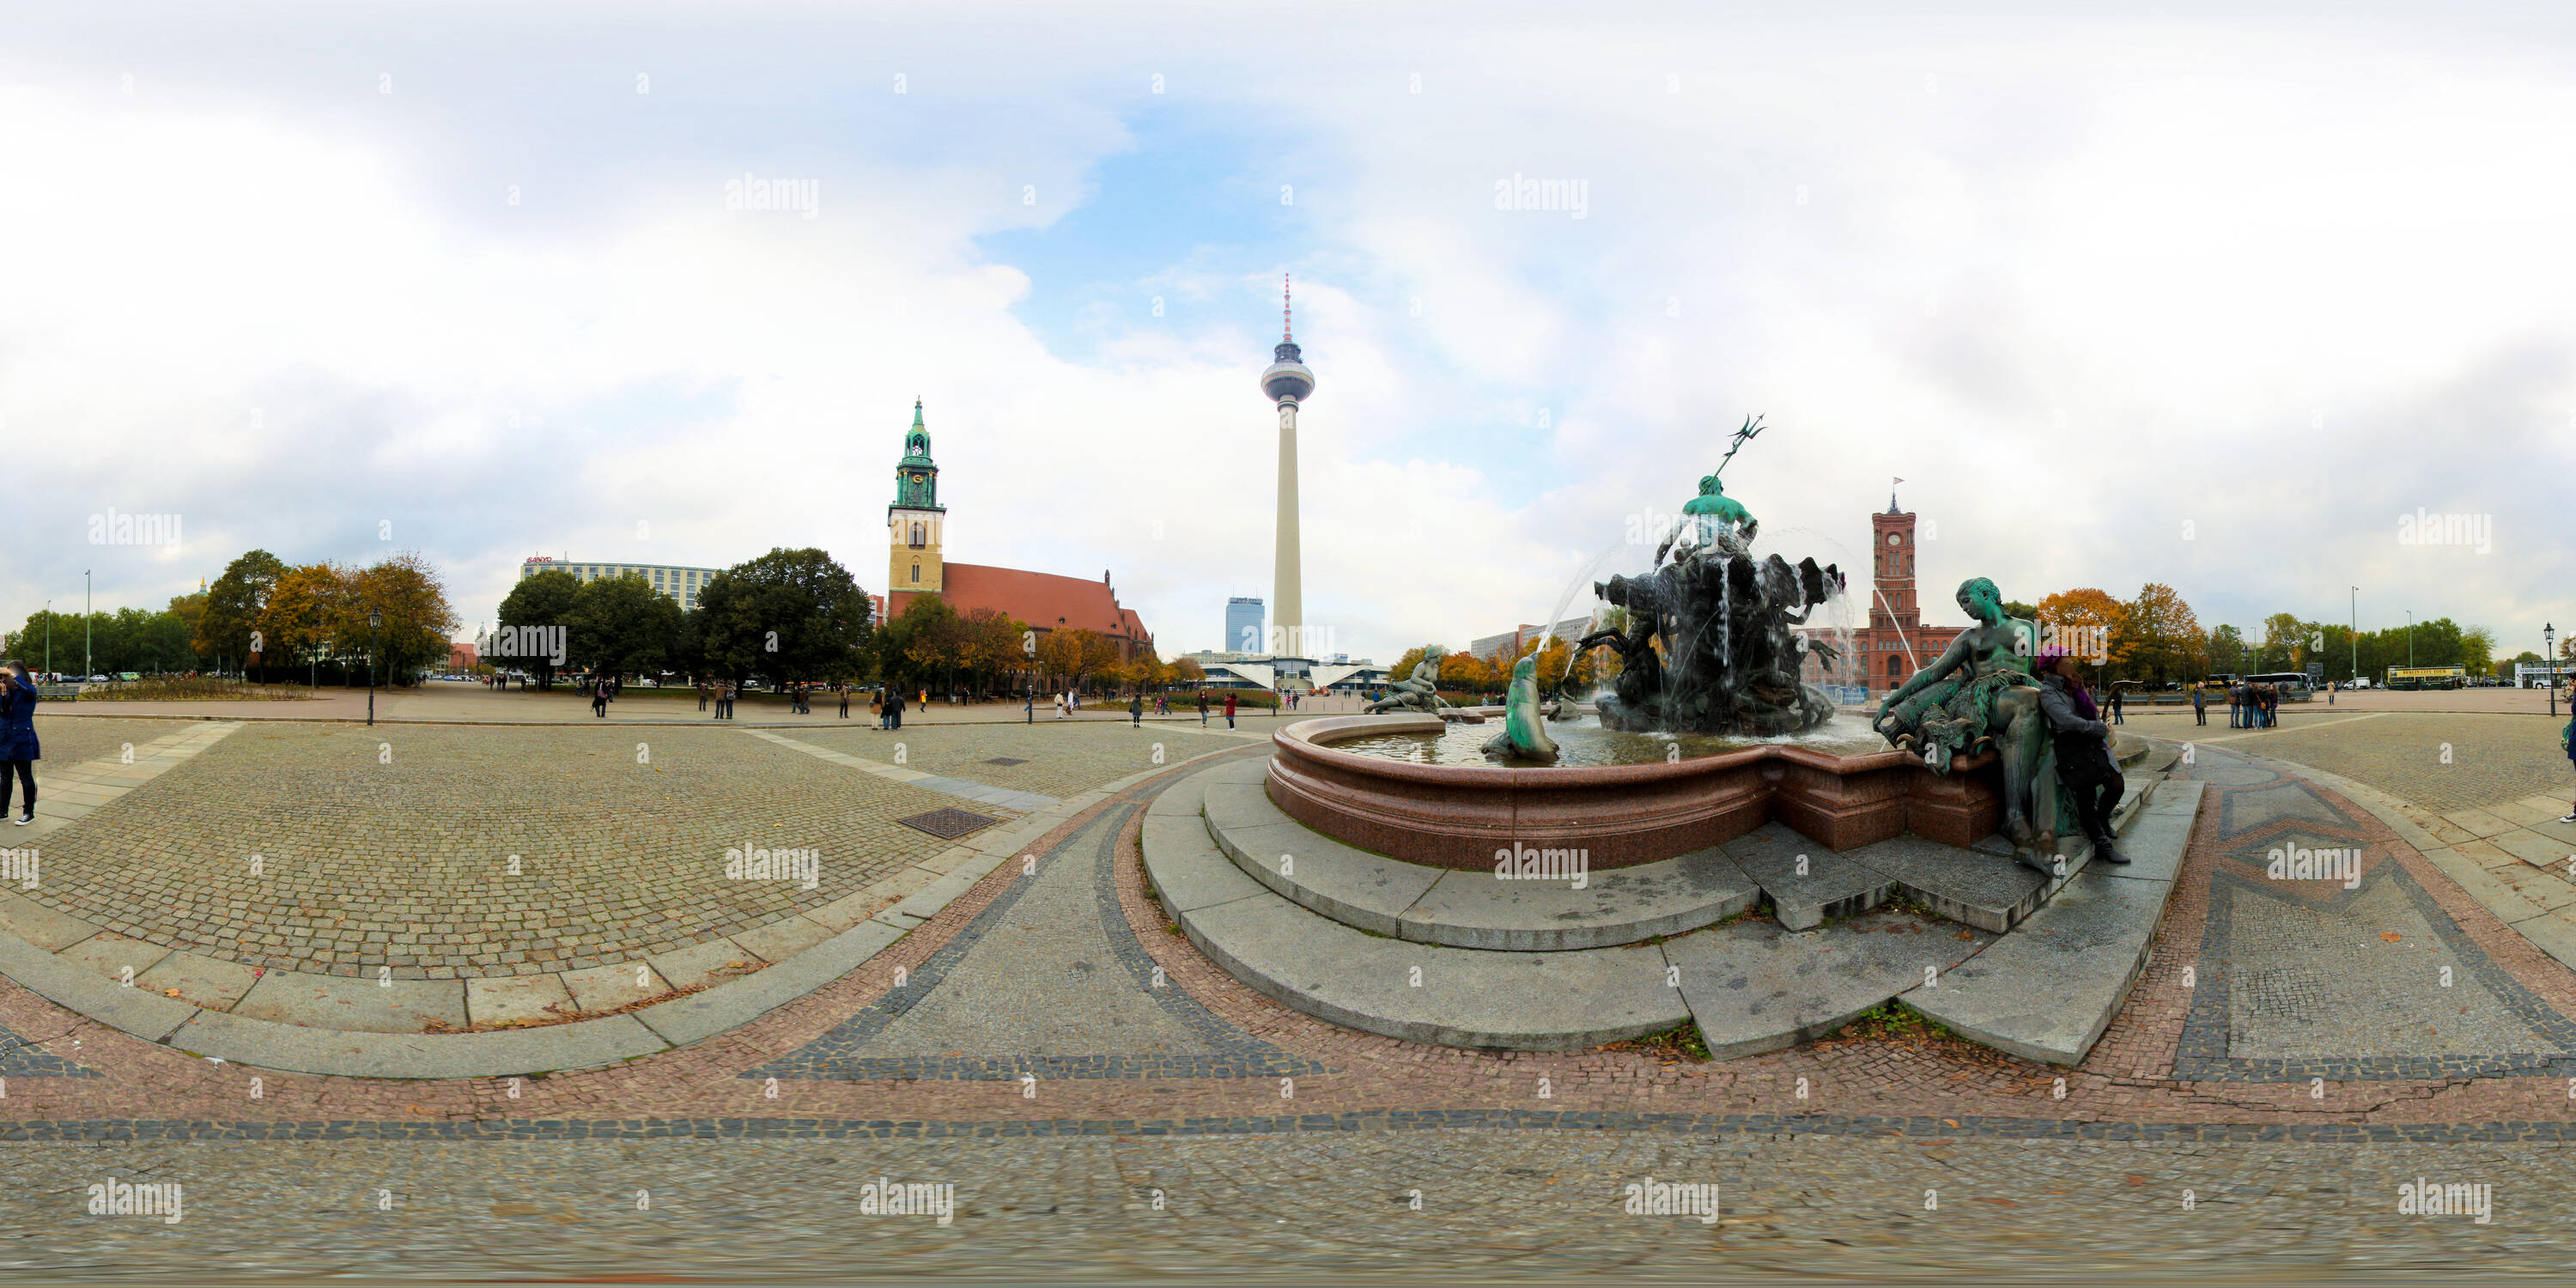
1287,382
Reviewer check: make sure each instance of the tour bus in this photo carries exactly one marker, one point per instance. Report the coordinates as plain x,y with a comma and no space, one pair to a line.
2428,677
2293,686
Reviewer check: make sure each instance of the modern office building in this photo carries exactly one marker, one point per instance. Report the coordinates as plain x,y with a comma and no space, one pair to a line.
1506,648
1243,626
680,583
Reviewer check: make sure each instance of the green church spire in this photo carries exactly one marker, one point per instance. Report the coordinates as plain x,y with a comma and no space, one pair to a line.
916,476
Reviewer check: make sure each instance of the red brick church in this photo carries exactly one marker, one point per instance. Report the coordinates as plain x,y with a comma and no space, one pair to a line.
917,564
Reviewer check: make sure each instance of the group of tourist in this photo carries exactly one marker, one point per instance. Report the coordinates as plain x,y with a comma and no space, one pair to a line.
2253,706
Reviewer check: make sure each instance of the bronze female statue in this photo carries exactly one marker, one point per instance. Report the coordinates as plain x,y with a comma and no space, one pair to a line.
1980,693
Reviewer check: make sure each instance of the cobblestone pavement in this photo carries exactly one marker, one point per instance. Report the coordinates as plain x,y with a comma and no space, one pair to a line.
72,742
2441,760
1062,761
2291,1056
394,846
1495,1204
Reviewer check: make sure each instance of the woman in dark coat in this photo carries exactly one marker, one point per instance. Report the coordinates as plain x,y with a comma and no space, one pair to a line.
18,750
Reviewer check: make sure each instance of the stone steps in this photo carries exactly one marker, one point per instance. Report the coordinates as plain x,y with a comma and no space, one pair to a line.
1750,986
2048,990
1463,908
1420,992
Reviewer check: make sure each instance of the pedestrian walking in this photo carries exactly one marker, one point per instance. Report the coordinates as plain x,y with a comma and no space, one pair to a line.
702,695
2235,705
18,750
2083,743
599,697
1136,711
844,687
897,716
2116,717
1202,708
1229,709
2199,705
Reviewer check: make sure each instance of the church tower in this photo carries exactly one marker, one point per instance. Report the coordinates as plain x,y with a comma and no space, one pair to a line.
914,520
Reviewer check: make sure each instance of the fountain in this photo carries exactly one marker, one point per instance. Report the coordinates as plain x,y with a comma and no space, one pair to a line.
1577,877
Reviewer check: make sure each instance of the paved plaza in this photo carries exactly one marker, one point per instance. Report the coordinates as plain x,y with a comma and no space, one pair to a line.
1108,1103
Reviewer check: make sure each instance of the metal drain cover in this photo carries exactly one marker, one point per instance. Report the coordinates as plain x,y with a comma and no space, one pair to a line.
947,824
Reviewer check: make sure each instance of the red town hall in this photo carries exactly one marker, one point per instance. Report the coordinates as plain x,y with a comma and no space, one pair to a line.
1896,643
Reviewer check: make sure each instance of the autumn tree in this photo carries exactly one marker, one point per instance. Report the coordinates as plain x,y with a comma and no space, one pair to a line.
2160,636
306,609
2085,609
407,590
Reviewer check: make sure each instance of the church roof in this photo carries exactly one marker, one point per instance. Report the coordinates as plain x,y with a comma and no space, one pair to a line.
1038,598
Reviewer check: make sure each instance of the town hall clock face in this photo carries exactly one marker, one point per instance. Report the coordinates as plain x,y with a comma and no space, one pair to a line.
1895,539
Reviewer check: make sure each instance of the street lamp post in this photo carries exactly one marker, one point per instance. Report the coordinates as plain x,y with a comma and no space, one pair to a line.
2356,632
375,626
2549,658
2410,639
86,669
49,637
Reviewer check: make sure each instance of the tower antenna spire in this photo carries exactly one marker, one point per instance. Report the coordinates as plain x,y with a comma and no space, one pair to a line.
1285,332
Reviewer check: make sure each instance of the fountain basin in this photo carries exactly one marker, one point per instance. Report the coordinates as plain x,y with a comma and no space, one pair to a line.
1458,816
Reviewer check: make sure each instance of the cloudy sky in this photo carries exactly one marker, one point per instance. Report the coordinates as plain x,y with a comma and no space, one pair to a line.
2211,298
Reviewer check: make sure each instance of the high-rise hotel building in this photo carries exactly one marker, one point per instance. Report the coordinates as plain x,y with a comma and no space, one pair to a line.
678,582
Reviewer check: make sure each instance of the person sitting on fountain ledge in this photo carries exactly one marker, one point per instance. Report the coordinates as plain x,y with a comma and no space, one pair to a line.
2084,763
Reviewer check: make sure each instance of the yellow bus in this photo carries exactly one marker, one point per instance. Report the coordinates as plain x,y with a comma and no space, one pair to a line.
2428,677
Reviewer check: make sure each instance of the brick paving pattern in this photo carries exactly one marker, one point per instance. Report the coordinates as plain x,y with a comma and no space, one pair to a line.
405,863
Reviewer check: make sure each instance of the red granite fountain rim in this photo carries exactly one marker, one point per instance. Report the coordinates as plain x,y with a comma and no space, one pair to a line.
1301,741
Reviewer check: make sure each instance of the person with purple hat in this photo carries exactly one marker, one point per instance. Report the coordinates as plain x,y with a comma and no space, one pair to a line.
2084,764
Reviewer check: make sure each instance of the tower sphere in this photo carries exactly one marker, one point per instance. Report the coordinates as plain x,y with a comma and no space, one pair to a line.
1287,378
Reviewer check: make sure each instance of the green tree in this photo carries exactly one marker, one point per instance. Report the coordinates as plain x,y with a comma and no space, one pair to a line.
233,606
787,615
2285,643
539,602
2228,652
2477,650
621,626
